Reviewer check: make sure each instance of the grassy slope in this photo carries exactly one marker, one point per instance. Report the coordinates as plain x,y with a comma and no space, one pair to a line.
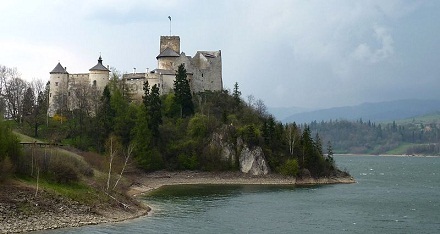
24,138
86,191
423,119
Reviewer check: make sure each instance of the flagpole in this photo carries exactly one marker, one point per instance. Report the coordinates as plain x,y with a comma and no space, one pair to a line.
169,17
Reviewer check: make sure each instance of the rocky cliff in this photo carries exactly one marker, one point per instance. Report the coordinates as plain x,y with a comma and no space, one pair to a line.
251,160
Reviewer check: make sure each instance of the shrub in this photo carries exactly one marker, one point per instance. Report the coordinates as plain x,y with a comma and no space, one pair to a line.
6,168
63,173
289,168
187,162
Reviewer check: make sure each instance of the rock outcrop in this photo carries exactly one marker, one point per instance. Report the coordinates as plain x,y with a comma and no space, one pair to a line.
251,160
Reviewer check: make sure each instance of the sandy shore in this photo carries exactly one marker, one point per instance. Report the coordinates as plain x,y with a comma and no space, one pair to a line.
151,181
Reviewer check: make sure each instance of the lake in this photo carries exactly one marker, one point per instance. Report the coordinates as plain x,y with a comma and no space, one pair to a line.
392,195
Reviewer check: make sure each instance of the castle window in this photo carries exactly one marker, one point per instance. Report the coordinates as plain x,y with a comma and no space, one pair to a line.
94,83
50,94
56,83
202,74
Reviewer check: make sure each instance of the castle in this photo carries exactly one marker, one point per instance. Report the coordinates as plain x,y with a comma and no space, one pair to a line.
204,73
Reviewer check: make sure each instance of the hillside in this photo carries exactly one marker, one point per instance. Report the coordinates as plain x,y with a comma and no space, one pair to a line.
418,135
50,187
375,112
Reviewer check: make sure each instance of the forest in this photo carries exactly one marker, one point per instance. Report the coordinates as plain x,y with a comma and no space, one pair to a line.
171,132
411,137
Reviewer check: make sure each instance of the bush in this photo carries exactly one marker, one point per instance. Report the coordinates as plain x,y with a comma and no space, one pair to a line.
187,162
63,173
6,168
289,168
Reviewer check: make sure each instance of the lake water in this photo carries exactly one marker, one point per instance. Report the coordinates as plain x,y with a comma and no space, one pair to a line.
393,195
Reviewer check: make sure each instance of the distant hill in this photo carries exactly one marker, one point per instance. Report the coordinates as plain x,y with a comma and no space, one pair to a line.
281,113
376,112
431,118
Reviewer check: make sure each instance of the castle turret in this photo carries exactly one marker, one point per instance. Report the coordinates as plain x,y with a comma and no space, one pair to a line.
169,52
59,78
99,75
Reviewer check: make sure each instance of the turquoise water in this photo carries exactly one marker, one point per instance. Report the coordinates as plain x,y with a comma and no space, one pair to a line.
393,195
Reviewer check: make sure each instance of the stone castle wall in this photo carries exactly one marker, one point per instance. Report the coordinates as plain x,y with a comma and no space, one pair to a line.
172,42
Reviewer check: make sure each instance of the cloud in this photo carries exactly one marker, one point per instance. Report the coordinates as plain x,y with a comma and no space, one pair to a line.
365,52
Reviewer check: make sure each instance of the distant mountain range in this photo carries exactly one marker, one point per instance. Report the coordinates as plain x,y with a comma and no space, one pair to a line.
281,113
376,112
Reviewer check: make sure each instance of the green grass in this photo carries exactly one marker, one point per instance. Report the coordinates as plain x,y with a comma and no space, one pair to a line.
24,138
80,192
401,149
423,119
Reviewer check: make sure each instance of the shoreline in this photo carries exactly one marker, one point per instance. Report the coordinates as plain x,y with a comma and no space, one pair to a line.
152,181
60,212
391,155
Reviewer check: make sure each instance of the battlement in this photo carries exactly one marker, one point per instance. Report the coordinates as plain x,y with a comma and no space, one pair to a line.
172,42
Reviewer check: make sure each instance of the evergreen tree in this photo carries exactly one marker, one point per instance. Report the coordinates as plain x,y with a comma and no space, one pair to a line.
330,153
236,94
104,119
182,93
146,96
154,111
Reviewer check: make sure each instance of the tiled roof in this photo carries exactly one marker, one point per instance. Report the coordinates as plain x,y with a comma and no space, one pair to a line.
168,52
59,69
99,66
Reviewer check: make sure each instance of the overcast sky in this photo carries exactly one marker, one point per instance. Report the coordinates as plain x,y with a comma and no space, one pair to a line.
314,54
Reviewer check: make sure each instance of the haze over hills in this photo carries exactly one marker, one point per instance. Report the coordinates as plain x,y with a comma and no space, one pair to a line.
376,112
281,113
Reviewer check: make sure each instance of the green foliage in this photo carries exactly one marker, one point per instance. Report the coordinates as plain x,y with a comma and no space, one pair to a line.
289,168
365,137
250,135
182,92
104,119
187,162
154,111
236,94
173,132
9,149
170,107
198,126
151,160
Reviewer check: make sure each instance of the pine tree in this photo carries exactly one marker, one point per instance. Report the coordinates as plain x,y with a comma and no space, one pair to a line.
104,118
154,111
146,95
182,93
236,94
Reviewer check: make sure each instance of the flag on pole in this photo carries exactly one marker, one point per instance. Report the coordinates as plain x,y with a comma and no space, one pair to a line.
169,17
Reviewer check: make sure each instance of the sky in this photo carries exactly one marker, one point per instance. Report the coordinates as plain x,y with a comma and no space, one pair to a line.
312,54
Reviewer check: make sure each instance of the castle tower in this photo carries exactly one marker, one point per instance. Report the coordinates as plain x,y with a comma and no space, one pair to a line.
99,75
172,42
169,52
59,78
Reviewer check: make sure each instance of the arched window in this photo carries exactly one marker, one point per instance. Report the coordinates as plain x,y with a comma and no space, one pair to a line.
94,83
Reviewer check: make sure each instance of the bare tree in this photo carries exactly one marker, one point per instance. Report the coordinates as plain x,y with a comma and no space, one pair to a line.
37,86
128,154
15,89
113,146
292,136
261,108
251,100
